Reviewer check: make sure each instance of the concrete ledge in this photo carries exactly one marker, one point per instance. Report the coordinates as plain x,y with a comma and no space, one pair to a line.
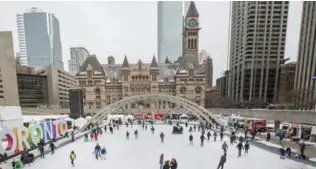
299,116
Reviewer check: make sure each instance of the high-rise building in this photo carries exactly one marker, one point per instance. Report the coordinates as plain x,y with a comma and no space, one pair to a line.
77,56
208,68
257,43
305,88
286,83
8,81
39,39
170,29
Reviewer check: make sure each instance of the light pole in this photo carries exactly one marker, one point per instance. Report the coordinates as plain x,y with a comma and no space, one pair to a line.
314,80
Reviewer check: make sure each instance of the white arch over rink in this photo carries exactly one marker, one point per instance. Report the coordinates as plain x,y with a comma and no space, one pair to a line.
185,103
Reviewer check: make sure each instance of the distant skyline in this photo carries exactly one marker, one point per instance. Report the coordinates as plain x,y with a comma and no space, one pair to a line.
130,28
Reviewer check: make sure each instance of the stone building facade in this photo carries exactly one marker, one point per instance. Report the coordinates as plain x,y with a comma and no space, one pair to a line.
108,83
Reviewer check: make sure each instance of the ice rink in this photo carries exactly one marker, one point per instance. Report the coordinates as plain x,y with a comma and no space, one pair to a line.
144,153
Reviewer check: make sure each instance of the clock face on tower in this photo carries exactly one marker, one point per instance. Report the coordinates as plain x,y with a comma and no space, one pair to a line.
192,23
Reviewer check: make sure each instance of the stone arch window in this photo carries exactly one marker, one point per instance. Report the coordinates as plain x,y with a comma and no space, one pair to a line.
198,90
183,90
97,93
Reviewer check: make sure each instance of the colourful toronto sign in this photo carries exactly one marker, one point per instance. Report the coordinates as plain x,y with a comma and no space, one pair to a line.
20,138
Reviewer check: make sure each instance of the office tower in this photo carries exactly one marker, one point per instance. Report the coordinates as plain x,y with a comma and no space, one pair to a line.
8,81
39,39
306,60
76,97
77,56
170,28
258,31
286,83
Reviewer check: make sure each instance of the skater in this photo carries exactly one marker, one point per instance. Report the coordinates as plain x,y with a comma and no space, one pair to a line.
224,147
232,138
289,152
111,129
239,147
282,153
72,158
96,154
221,136
105,128
241,139
146,127
97,147
173,164
194,127
86,138
247,147
52,147
191,139
208,135
246,132
186,124
222,162
302,149
161,161
127,135
215,135
96,136
202,140
72,136
162,136
190,129
268,136
152,130
103,152
136,134
41,150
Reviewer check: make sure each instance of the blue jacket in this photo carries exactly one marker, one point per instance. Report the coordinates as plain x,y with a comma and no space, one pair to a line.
161,160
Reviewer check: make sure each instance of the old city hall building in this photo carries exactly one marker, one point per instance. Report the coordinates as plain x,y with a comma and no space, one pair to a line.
106,84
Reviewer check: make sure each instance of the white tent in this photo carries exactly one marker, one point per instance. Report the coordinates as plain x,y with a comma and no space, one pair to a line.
88,117
80,122
69,119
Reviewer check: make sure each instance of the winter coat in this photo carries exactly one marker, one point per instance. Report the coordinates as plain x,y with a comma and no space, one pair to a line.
72,156
190,138
96,152
223,159
103,151
224,146
247,146
173,165
239,146
282,151
161,159
166,166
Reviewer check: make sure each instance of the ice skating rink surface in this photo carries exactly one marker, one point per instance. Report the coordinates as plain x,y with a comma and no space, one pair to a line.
144,153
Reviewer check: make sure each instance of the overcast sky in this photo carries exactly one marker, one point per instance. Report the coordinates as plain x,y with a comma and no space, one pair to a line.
119,28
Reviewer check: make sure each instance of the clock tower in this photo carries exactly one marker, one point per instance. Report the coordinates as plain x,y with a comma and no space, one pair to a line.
191,31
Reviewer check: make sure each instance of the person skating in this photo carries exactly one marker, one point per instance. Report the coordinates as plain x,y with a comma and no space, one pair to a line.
127,135
72,136
221,135
241,139
162,137
225,147
111,129
105,128
302,149
190,129
194,127
202,138
215,135
289,152
191,139
86,138
161,161
186,124
72,158
282,153
166,165
232,138
239,147
91,136
208,135
152,130
97,147
146,127
246,132
136,134
247,147
52,147
96,154
222,161
103,152
268,137
41,150
173,164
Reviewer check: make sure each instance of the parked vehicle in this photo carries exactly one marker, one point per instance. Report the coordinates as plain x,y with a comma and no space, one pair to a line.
259,124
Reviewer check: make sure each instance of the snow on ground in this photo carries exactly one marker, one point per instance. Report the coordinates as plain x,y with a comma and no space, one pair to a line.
144,153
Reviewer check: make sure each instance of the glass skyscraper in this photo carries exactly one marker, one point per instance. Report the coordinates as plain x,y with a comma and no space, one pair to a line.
39,39
170,28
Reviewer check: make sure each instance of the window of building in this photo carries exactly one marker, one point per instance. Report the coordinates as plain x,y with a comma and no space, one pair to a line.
125,77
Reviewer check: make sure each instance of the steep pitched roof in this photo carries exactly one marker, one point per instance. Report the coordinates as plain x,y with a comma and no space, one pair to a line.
92,61
125,63
192,12
154,62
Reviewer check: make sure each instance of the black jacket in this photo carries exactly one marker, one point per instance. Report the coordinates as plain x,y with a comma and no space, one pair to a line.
174,165
223,159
